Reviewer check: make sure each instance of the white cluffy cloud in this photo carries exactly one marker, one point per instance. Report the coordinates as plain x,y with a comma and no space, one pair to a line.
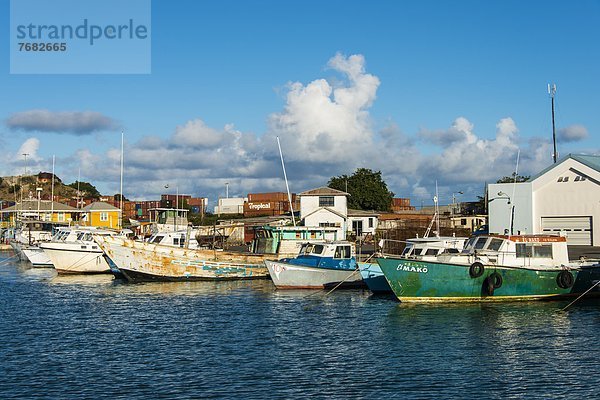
326,130
323,122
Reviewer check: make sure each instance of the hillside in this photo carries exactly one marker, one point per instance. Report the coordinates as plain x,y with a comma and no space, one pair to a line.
29,184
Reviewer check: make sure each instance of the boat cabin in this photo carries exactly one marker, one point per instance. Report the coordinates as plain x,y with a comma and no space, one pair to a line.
518,250
432,246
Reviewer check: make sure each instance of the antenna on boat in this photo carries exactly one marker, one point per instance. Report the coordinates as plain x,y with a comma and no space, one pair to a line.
286,182
121,189
52,191
552,93
436,216
512,207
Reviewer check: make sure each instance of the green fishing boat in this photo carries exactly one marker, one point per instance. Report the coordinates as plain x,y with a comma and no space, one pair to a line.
493,268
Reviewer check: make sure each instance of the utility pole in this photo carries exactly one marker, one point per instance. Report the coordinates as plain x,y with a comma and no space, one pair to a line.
552,92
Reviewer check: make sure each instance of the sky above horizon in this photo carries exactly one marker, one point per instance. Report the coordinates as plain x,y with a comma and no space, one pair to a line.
423,91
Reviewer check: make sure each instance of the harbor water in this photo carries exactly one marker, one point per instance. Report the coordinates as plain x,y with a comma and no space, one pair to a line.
95,337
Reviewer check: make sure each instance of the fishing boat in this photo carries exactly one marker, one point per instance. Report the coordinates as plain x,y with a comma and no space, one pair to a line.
492,268
425,248
317,266
73,250
286,241
143,261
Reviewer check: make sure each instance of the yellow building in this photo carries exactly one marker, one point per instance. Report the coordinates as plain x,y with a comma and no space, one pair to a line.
101,214
43,210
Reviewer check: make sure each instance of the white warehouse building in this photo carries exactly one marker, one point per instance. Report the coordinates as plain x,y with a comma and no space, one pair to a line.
562,199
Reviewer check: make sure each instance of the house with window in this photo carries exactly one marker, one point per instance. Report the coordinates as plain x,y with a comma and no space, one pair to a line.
325,207
562,199
102,215
35,209
362,224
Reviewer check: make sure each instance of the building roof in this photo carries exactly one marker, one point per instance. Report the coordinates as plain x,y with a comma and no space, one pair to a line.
44,205
100,206
362,213
324,191
591,161
331,210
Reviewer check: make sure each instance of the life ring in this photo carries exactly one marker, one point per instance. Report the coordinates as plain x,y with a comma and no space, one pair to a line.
565,279
476,269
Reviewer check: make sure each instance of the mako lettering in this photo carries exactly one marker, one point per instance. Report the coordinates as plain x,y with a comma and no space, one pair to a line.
90,32
410,268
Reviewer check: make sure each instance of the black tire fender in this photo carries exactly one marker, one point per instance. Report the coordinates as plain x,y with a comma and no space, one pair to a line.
476,269
495,279
565,279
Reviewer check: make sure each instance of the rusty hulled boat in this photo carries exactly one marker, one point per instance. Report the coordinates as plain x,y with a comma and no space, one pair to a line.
143,262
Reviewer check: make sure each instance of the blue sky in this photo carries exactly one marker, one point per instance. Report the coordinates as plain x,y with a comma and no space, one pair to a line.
424,91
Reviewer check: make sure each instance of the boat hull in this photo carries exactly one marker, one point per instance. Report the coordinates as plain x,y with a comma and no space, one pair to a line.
428,281
290,276
143,262
73,258
37,256
373,277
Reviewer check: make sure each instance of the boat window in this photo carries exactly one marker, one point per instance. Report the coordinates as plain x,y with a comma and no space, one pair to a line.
175,241
342,252
470,242
407,251
523,250
87,237
80,236
303,249
317,249
157,239
480,243
543,251
431,252
534,250
495,244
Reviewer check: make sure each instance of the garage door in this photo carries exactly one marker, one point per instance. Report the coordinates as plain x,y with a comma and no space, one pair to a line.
577,229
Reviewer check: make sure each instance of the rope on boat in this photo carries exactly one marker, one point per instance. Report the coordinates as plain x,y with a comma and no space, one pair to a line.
335,287
583,294
9,259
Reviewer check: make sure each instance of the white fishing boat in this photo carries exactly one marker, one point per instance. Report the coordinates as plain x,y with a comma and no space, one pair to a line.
74,251
143,261
317,266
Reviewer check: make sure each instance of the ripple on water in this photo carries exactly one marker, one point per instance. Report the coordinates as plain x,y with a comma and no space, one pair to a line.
94,337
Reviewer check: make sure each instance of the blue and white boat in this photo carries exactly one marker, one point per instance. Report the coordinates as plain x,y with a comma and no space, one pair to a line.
317,266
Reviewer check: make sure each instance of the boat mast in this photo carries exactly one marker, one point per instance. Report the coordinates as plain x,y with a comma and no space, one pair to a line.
286,182
552,92
512,207
121,189
52,192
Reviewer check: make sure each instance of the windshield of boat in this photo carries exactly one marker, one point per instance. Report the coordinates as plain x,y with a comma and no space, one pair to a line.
310,248
156,239
342,252
495,244
431,252
480,243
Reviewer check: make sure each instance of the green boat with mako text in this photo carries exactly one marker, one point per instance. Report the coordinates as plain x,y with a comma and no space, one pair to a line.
493,268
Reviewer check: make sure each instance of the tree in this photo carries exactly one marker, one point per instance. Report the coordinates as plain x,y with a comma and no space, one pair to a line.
367,190
511,179
117,197
86,187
